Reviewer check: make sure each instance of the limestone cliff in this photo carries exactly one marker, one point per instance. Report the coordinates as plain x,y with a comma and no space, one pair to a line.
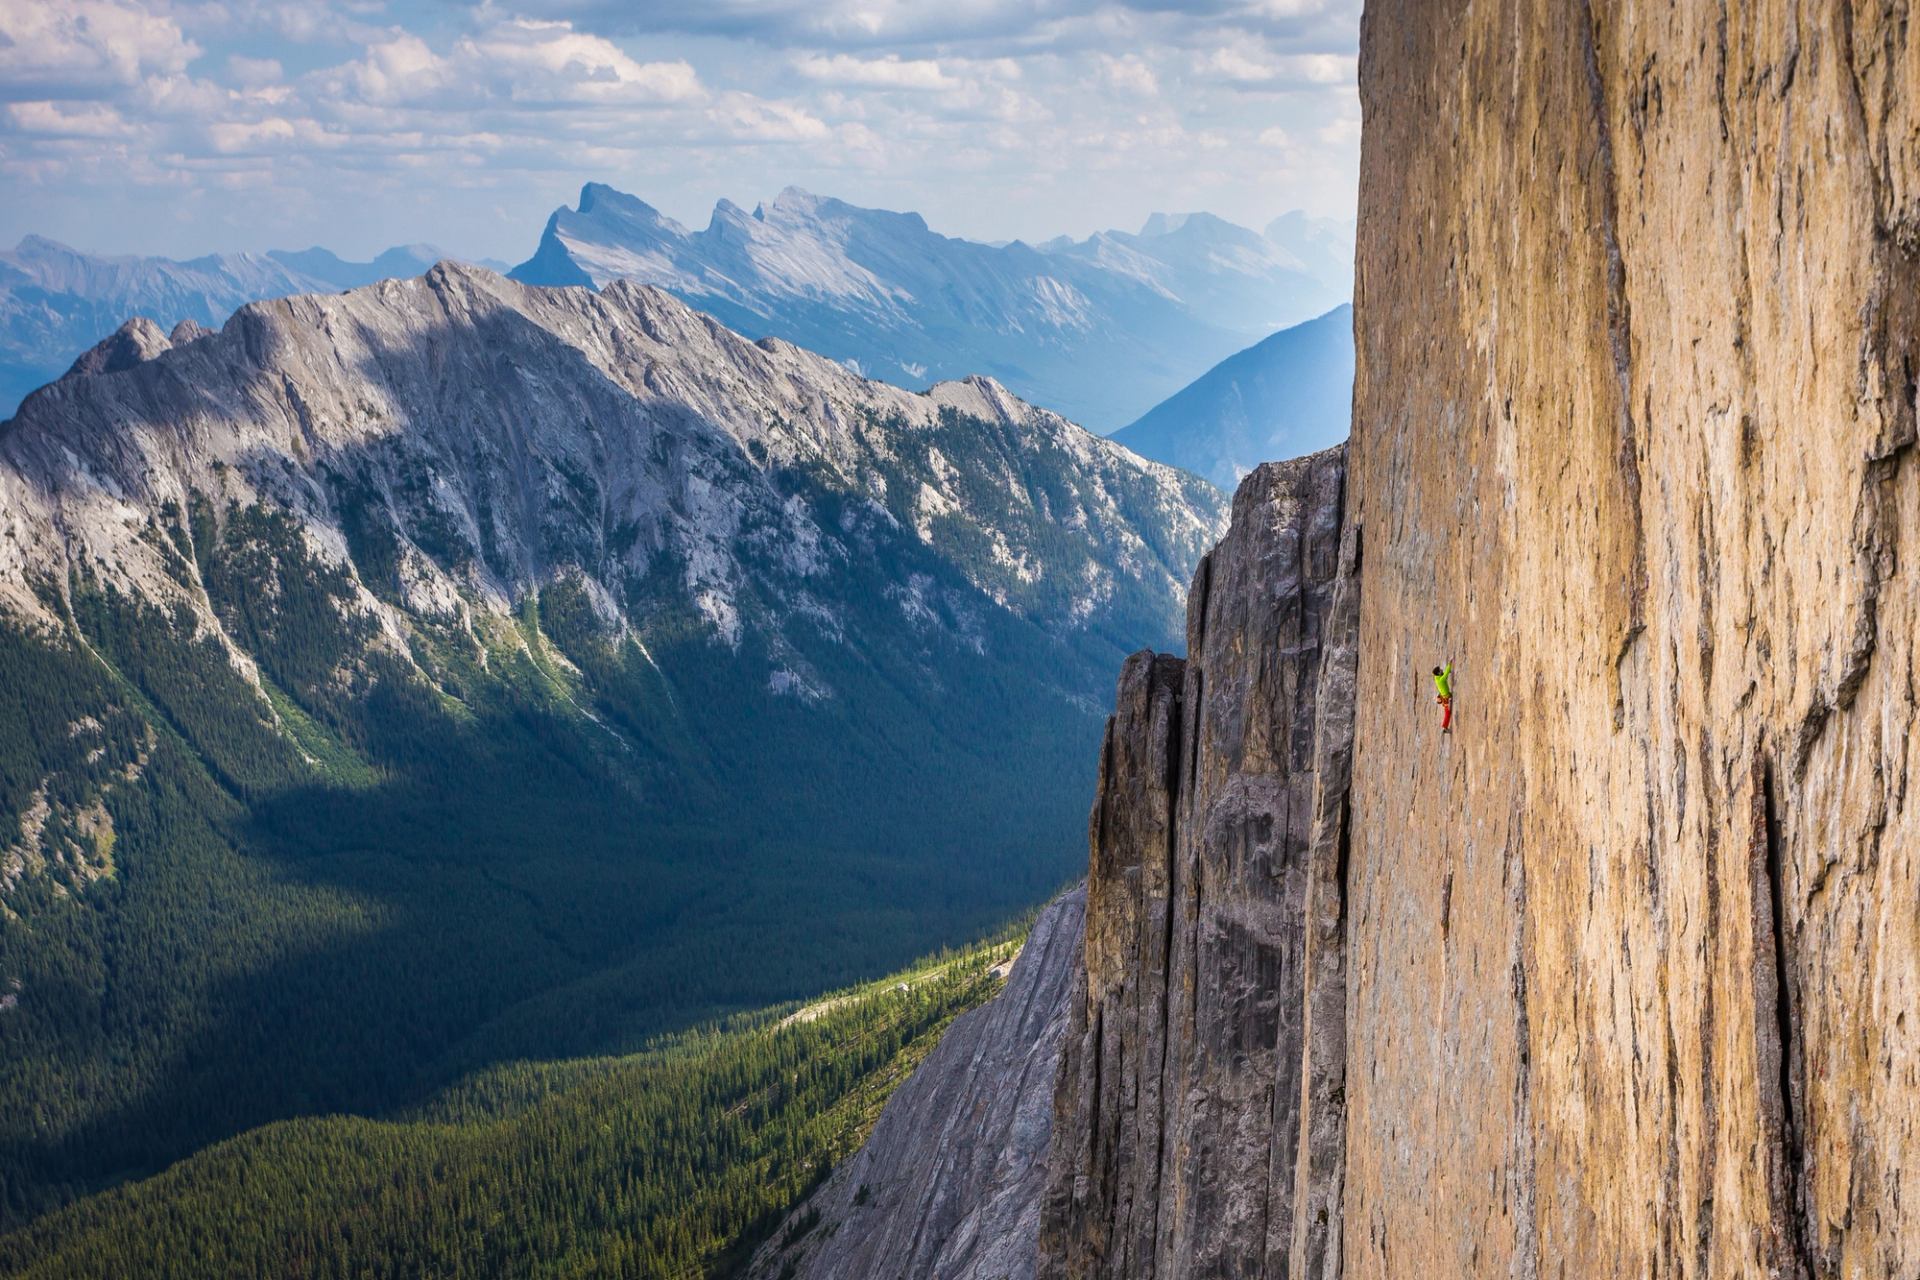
1616,980
1636,340
948,1184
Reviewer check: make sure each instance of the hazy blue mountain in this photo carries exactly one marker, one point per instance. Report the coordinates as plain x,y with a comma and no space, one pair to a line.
1289,395
452,671
1233,277
56,302
1097,329
323,264
1323,247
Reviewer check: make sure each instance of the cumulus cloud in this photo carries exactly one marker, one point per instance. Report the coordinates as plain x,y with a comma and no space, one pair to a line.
744,118
76,47
953,23
550,62
1131,75
993,118
530,63
1249,63
56,120
254,73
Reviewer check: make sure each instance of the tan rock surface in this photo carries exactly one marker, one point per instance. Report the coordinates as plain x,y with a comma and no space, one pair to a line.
1635,311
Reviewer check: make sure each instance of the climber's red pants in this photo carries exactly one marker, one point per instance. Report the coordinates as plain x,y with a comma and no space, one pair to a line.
1446,714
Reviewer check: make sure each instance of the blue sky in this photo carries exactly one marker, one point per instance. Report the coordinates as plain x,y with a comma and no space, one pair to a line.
181,128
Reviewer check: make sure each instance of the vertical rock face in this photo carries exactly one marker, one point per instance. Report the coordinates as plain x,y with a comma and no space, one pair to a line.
948,1185
1634,953
1177,1150
1618,979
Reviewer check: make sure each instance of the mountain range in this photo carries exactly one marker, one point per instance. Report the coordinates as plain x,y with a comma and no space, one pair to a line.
1284,397
448,671
55,302
1098,329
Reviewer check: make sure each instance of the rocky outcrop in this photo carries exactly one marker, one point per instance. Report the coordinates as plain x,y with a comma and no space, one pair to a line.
135,342
1216,836
948,1185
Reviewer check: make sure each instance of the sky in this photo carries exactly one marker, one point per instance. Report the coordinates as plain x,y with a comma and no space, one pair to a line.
180,128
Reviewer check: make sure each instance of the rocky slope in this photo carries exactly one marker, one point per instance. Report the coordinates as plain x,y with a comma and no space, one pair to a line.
55,302
949,1182
509,435
1099,329
1285,396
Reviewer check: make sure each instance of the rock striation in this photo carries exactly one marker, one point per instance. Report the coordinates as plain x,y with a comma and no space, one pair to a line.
948,1184
1634,428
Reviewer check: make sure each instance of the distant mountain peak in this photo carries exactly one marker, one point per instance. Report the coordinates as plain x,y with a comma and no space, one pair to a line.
1097,329
1283,397
798,201
56,300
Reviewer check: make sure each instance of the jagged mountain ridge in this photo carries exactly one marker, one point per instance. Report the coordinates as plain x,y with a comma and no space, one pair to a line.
390,587
1284,397
1098,329
316,383
55,302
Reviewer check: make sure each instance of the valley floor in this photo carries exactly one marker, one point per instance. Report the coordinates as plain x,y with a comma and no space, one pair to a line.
676,1161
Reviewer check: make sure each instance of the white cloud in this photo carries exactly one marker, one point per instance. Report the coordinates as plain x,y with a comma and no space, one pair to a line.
81,46
551,62
890,72
56,120
254,73
1251,63
1081,114
1131,76
950,25
745,118
522,62
233,137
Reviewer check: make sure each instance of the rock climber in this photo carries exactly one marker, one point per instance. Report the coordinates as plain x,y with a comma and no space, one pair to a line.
1443,685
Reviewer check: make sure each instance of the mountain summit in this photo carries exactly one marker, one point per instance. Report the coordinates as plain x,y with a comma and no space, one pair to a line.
1099,329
